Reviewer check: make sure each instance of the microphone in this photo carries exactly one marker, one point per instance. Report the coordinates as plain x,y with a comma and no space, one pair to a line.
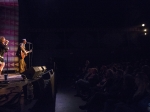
29,43
7,40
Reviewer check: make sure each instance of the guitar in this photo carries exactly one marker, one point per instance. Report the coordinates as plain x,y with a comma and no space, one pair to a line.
23,55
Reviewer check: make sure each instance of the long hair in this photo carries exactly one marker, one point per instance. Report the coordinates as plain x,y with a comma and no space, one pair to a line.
1,38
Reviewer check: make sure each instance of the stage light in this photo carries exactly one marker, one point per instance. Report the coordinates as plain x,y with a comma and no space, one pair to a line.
143,25
145,30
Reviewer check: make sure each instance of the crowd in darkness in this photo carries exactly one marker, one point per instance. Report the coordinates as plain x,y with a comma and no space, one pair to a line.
114,87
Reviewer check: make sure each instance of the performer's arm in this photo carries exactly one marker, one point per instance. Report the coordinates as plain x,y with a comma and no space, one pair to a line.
6,42
6,47
23,49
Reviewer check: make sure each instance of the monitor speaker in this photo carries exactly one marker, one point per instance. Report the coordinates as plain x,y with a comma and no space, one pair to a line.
43,68
33,72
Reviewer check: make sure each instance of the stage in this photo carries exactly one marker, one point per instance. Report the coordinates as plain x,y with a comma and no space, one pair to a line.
12,95
12,77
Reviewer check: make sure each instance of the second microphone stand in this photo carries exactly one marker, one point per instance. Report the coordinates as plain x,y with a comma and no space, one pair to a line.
29,54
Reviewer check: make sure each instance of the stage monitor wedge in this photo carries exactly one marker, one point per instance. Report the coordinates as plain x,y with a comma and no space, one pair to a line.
33,72
44,68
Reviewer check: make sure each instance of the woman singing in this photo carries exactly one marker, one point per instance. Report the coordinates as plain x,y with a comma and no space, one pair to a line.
3,48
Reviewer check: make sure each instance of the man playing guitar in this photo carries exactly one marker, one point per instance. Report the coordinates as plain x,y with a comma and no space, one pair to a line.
22,53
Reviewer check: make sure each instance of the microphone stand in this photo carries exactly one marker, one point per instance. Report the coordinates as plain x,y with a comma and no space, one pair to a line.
6,75
7,63
32,55
29,55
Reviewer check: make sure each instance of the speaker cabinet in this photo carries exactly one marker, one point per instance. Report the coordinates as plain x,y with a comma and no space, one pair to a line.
33,72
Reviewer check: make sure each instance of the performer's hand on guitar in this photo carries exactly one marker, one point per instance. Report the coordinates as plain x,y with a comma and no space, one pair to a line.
25,53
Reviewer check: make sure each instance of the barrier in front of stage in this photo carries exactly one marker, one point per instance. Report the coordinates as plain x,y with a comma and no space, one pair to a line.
38,88
43,85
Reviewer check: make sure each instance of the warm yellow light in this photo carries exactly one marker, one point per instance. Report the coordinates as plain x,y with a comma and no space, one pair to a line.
143,25
145,30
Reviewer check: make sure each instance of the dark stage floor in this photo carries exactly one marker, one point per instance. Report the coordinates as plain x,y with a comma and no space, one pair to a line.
65,100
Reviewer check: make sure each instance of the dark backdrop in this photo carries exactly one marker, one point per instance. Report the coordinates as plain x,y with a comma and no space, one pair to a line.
69,32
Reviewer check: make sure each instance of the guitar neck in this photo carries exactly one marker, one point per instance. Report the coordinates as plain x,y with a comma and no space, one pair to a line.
29,51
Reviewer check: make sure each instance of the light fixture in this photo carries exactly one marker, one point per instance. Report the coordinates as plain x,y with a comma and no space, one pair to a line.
145,30
143,25
145,33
